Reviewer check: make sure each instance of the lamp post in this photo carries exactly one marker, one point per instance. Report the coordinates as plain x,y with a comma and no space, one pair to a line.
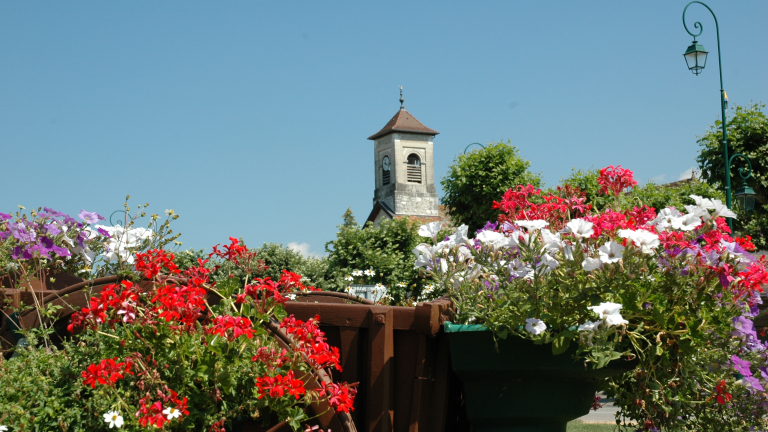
696,58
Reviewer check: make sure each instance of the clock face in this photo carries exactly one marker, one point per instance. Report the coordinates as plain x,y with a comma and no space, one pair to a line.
385,163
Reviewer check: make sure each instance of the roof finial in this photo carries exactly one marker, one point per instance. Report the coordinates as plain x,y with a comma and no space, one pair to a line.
401,98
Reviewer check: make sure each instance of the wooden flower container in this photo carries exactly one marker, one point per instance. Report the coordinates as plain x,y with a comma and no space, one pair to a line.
398,355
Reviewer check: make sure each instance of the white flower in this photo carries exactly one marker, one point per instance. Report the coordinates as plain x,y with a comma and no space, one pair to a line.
291,296
430,230
379,288
3,428
370,272
535,326
401,285
425,256
698,211
550,262
171,413
664,218
615,319
589,326
610,313
461,236
349,290
645,240
611,252
112,417
493,238
590,264
348,277
580,228
519,269
721,210
532,225
688,222
702,202
357,272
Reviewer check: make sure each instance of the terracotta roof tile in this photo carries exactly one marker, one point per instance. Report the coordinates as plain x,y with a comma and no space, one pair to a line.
403,121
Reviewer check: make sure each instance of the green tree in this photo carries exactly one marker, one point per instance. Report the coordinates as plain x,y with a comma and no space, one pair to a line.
477,178
387,249
279,258
748,135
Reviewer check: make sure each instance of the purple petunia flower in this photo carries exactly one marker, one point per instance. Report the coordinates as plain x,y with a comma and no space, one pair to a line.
61,251
763,372
4,217
52,229
743,326
89,217
752,384
21,233
488,227
105,233
741,366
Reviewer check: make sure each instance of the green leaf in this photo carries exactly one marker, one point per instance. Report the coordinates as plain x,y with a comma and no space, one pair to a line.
562,342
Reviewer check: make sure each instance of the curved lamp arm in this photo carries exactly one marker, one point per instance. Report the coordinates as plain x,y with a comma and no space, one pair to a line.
742,170
465,149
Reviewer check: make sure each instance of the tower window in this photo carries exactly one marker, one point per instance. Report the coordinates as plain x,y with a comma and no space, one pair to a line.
414,168
385,170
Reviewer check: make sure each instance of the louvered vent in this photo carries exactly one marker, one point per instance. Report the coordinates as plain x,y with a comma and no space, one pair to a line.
385,177
414,169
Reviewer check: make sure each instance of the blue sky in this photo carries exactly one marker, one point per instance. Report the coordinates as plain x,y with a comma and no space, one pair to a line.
250,119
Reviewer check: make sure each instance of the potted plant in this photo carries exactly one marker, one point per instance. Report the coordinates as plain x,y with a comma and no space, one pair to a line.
555,302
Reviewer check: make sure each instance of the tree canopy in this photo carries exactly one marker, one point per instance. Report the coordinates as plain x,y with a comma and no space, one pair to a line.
477,178
386,249
747,134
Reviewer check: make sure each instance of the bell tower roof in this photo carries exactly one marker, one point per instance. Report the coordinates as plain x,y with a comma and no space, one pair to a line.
403,121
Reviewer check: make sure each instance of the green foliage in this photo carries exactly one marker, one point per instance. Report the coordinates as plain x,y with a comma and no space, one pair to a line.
477,178
387,249
675,194
278,257
748,135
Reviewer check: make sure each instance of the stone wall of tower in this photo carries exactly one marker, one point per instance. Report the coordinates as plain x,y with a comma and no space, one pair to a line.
401,196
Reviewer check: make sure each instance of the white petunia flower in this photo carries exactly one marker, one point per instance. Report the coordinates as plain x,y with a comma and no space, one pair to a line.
532,225
550,262
171,413
425,255
606,308
698,211
590,264
611,252
460,237
112,417
687,222
665,218
645,240
580,228
615,319
589,326
519,269
721,210
430,230
535,326
702,202
610,313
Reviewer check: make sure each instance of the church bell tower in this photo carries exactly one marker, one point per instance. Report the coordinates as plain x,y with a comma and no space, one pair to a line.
404,166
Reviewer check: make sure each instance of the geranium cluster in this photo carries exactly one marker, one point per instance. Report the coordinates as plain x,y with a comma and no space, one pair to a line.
185,337
671,289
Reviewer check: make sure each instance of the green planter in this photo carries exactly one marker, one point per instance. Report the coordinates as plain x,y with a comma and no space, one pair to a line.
522,387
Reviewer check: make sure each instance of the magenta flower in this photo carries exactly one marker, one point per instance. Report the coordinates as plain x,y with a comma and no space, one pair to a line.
4,216
741,366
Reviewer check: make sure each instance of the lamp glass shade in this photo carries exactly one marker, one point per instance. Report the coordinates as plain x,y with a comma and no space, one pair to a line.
695,57
745,197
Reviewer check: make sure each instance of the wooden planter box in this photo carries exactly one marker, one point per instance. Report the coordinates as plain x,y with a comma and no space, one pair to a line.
398,355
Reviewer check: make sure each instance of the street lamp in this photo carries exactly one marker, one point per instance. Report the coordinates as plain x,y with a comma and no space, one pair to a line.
745,197
695,58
